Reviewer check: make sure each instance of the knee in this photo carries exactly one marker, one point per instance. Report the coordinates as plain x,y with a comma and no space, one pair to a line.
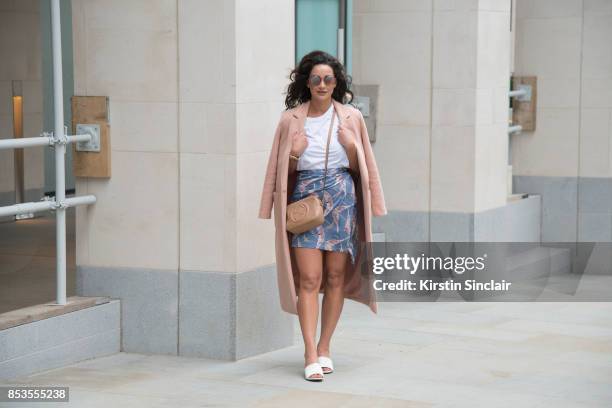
335,277
310,283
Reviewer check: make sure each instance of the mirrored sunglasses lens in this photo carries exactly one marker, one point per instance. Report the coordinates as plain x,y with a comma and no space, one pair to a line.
315,80
330,80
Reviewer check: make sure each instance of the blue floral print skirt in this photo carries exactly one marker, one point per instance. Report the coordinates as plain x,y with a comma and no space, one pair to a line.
339,229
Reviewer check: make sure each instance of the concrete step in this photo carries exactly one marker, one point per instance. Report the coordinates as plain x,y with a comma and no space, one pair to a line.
57,340
538,262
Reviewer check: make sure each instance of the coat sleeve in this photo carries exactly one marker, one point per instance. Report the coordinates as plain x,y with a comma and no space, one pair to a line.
377,195
269,184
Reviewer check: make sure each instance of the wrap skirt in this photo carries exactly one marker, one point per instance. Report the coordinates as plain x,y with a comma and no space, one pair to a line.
339,229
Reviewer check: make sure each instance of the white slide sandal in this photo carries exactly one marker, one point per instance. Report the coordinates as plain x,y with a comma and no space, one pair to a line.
313,368
327,363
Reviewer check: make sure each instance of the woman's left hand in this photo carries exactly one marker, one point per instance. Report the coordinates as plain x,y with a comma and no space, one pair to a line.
346,137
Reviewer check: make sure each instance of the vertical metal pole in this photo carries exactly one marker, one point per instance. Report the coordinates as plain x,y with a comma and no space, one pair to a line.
60,151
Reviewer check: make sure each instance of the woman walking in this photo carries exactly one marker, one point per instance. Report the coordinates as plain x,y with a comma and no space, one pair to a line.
321,148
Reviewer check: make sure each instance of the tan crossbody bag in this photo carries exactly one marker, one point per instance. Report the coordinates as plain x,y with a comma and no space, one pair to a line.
307,213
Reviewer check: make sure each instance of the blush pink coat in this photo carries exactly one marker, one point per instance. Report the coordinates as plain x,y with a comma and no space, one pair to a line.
370,202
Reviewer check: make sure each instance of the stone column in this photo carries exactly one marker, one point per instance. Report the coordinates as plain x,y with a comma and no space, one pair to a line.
469,140
442,68
195,94
568,158
234,58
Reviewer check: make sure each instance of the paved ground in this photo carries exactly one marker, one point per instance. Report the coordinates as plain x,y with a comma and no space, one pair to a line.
409,355
447,354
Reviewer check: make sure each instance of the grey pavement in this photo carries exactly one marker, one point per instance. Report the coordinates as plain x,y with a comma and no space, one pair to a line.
419,354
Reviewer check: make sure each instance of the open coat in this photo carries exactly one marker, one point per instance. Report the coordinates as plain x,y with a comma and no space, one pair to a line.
370,202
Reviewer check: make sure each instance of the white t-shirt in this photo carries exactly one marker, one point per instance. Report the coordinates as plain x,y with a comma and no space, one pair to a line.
316,130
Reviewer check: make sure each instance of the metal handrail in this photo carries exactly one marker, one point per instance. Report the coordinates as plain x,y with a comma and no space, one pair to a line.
47,139
522,92
517,92
514,129
58,140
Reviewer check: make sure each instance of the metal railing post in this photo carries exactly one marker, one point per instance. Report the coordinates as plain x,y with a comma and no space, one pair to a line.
60,151
59,140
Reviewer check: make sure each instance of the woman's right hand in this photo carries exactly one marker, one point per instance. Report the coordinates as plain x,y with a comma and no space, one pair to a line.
299,143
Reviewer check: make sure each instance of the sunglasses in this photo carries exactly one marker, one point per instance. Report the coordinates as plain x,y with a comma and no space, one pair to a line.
315,80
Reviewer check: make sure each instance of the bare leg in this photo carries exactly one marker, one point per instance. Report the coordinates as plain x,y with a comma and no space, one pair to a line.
333,300
310,265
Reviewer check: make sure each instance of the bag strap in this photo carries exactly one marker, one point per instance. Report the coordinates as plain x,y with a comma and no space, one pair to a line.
331,126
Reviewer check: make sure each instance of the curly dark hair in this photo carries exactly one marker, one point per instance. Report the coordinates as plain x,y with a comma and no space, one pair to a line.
298,91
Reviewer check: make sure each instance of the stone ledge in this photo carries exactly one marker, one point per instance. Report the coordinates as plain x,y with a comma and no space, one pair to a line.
46,310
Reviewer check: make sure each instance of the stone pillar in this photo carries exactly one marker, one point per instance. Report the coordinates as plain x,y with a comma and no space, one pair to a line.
469,140
568,158
441,129
234,58
195,94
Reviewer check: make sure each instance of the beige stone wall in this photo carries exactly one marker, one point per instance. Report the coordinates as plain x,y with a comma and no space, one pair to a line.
265,41
443,71
128,52
566,44
195,95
